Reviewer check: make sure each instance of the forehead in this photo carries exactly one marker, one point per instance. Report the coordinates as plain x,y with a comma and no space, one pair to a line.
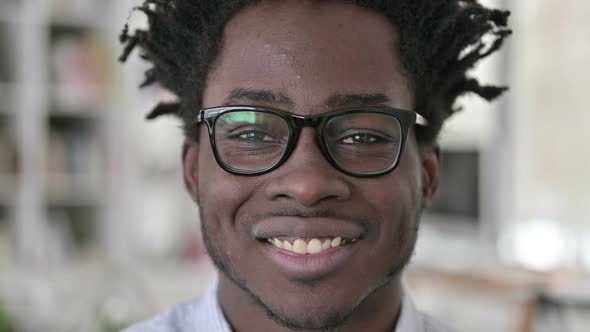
309,51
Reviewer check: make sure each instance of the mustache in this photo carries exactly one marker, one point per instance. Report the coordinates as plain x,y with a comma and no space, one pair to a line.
311,214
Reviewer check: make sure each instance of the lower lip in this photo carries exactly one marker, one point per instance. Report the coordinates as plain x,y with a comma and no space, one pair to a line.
308,267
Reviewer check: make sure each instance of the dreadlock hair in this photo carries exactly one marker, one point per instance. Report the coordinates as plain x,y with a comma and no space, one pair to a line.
440,41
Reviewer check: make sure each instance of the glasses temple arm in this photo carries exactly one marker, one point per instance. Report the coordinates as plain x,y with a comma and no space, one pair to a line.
420,120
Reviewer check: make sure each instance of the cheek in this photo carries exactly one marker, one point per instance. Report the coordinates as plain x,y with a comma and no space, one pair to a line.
221,195
397,198
397,209
399,191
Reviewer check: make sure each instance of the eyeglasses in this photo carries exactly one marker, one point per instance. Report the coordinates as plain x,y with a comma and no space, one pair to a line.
361,142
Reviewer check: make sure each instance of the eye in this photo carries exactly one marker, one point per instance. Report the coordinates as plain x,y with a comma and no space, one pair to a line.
364,138
252,136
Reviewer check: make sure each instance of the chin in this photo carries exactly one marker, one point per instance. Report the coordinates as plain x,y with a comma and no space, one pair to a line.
310,317
320,306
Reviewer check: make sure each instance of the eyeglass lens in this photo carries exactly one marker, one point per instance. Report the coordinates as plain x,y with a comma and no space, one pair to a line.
363,142
358,142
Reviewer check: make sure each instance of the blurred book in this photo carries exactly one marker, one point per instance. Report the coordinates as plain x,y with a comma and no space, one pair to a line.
77,10
6,56
7,150
71,229
75,162
80,73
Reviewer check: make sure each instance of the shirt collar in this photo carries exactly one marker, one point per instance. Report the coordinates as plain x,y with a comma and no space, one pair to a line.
409,318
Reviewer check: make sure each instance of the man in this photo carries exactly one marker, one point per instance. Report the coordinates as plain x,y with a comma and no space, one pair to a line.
311,149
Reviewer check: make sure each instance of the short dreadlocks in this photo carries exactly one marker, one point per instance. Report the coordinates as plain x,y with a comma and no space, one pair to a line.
440,40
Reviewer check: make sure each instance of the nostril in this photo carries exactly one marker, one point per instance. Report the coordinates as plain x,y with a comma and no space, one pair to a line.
335,197
281,196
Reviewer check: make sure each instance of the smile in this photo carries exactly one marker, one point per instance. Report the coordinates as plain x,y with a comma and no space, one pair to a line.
309,246
309,258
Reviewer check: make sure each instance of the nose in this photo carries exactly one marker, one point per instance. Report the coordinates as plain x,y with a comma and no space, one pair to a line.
307,178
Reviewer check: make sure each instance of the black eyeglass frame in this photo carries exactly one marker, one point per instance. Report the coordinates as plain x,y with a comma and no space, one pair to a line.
296,123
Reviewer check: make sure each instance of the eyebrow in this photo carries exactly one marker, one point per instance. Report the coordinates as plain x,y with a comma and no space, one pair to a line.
333,102
259,96
355,99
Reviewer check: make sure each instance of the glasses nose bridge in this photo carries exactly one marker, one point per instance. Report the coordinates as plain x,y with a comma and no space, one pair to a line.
314,122
302,121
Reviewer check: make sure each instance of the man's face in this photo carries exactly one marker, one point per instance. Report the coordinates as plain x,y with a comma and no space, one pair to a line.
309,52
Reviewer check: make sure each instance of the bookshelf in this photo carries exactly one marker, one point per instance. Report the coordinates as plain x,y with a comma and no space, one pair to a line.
77,156
88,190
57,88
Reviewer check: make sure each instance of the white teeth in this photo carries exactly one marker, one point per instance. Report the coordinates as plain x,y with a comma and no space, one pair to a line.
314,246
300,247
336,242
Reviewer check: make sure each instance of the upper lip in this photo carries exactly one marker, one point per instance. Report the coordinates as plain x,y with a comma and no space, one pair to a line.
304,227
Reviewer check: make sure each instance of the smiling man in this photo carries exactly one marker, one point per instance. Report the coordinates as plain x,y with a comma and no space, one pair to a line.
311,149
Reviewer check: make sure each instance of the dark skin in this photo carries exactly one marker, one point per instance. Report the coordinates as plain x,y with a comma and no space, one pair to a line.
308,56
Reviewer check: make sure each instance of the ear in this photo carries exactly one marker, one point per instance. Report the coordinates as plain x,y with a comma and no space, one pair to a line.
190,154
431,162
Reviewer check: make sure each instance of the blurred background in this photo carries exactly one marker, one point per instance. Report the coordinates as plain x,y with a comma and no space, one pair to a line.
96,231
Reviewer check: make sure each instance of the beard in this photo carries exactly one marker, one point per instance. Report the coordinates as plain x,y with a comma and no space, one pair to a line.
404,243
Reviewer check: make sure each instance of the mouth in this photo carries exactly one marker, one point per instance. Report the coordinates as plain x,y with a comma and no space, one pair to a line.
308,246
310,259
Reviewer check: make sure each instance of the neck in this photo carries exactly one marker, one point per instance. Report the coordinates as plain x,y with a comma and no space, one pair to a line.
378,312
